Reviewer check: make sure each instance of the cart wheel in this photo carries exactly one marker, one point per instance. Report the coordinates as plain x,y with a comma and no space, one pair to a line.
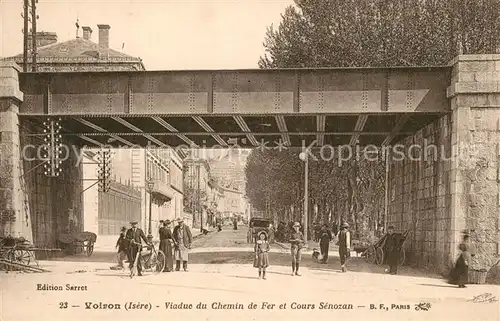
20,256
370,254
379,256
90,248
158,262
402,257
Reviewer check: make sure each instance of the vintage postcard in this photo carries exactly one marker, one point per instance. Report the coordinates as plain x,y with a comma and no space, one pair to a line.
249,160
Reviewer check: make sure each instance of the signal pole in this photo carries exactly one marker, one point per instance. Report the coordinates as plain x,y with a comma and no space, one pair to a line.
25,35
34,17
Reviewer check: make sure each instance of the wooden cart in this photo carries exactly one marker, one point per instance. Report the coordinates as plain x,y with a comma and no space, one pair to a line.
18,254
376,253
77,243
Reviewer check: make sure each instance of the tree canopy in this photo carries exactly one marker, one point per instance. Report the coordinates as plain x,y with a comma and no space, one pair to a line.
347,33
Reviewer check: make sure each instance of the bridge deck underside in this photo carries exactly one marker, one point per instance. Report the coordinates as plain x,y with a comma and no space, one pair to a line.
244,131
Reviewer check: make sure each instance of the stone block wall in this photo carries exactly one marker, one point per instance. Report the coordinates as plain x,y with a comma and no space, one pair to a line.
475,102
441,197
419,194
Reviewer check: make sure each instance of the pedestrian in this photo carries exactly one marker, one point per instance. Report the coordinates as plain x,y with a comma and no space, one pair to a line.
122,246
134,237
261,249
344,245
297,242
324,243
182,238
392,249
166,245
460,272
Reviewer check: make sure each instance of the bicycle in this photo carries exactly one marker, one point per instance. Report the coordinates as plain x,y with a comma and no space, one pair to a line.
151,261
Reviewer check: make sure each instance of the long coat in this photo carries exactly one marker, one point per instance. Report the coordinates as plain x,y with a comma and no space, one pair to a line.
187,237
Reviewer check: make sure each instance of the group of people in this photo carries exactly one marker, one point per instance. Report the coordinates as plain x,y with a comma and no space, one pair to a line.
392,248
297,243
175,244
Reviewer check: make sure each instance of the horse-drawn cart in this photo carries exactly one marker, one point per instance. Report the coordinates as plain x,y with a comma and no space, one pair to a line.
375,253
76,243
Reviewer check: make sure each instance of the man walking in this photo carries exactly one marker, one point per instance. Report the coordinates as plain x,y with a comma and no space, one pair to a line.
297,242
182,238
325,237
344,245
392,248
134,237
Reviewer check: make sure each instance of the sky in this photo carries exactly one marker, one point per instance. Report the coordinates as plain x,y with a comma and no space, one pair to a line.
166,34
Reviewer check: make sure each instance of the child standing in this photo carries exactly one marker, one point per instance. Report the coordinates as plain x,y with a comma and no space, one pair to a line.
261,249
122,246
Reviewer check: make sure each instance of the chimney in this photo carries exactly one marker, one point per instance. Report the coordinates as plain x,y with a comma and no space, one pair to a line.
87,33
42,39
103,36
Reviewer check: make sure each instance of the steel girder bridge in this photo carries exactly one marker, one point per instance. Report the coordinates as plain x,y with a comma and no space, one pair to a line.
294,107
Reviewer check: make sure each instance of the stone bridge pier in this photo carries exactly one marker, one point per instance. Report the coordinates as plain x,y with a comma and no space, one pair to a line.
33,205
448,181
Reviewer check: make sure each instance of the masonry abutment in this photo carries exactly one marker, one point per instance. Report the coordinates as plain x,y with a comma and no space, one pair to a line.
15,217
475,170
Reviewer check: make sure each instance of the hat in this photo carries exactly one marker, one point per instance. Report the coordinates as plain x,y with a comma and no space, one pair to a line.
390,227
124,228
296,224
133,222
180,219
167,222
345,225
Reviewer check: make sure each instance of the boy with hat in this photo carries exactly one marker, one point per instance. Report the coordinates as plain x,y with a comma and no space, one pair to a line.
297,243
344,245
122,246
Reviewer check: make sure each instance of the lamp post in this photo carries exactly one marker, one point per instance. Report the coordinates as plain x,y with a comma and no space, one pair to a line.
150,184
303,156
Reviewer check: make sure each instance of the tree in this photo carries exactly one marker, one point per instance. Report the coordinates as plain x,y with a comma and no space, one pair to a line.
345,33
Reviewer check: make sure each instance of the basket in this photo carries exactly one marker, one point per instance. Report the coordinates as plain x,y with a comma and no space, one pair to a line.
477,276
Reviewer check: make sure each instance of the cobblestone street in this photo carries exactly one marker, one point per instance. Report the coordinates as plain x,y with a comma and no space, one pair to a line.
220,270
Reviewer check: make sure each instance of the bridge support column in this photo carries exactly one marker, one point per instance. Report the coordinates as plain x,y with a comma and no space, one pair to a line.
14,219
475,170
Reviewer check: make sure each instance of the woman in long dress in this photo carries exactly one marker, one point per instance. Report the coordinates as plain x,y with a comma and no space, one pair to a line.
460,272
166,246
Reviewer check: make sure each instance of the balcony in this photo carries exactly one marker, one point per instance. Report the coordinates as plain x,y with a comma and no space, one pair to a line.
162,191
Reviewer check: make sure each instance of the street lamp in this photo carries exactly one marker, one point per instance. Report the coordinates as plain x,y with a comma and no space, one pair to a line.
150,184
303,156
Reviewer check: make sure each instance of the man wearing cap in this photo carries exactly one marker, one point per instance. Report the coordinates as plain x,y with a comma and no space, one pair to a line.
182,239
166,242
344,245
297,243
135,236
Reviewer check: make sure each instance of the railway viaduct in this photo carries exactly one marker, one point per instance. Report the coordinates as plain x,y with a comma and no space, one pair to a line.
451,186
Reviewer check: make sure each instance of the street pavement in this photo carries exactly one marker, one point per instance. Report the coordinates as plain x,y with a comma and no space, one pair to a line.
221,273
